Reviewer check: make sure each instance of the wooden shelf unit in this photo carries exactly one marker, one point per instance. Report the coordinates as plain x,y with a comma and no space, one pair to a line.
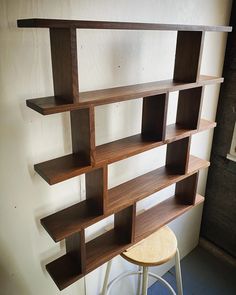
180,168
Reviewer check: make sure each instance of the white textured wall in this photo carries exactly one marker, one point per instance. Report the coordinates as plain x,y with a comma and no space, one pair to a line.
106,59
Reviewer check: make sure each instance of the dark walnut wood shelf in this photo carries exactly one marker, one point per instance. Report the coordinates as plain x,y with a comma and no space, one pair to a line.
130,146
64,270
62,168
145,185
81,215
86,24
70,220
164,212
51,105
180,168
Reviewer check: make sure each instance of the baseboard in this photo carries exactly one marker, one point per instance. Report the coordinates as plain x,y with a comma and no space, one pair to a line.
216,251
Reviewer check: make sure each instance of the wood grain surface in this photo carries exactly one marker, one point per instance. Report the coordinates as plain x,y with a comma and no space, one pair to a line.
85,24
51,105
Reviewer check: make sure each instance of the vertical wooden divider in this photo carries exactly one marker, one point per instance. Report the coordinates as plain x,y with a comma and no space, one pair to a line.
188,55
75,247
96,189
64,64
189,107
83,134
185,190
124,224
154,117
177,156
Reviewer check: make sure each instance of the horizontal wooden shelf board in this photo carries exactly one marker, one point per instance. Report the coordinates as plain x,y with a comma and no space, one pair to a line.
64,271
145,185
62,168
159,215
68,221
81,215
51,105
107,245
88,24
129,146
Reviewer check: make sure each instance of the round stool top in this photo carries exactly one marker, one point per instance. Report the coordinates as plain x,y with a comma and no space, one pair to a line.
156,249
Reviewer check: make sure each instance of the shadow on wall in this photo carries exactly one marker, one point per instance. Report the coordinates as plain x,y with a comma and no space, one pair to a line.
10,281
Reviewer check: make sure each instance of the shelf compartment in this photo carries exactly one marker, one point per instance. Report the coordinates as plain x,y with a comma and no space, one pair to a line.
148,184
62,168
64,271
63,223
86,24
130,146
107,245
161,214
112,242
51,105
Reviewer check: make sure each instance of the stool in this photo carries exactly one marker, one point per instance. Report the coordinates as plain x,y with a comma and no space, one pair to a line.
155,250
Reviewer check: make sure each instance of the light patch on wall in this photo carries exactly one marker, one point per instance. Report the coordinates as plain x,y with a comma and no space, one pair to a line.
142,163
172,107
117,120
99,228
155,199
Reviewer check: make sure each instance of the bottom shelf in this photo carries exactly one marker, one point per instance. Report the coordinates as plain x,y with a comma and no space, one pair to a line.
65,271
164,212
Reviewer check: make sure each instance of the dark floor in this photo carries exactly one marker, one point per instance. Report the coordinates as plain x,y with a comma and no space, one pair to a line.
202,274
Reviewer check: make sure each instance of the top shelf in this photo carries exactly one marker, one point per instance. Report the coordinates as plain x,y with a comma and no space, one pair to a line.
104,25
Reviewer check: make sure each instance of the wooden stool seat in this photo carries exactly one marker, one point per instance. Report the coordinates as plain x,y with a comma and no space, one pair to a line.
156,249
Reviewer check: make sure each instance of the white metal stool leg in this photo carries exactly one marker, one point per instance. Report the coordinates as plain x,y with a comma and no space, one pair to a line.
106,278
139,281
178,273
145,280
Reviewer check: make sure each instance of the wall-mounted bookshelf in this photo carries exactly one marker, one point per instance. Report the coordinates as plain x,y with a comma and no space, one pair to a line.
86,158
